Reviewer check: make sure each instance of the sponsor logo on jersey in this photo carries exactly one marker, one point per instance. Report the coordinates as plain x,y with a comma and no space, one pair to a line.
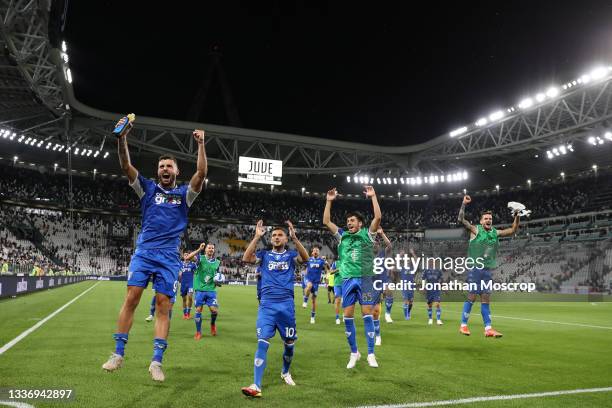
164,198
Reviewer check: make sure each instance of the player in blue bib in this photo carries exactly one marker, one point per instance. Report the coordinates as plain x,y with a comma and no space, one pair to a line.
164,206
315,267
277,307
186,279
433,276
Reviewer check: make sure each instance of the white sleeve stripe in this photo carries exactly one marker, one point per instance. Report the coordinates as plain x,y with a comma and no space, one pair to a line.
137,187
191,196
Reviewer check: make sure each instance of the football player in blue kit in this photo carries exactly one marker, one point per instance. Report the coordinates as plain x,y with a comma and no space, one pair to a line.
186,279
164,207
315,267
407,275
383,278
433,276
277,307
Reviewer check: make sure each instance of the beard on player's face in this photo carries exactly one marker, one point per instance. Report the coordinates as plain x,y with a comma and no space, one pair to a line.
167,172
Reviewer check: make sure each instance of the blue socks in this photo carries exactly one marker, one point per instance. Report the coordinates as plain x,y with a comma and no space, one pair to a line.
349,324
438,313
305,299
260,361
188,310
429,312
388,304
377,327
287,357
368,325
198,321
159,346
485,310
467,308
120,340
407,308
213,318
337,316
312,314
152,310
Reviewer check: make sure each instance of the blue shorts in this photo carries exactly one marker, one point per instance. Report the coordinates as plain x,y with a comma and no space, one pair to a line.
359,290
408,295
432,296
186,288
276,315
479,277
160,265
338,291
207,297
315,285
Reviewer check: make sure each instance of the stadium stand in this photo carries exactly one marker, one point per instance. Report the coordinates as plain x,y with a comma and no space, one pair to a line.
569,248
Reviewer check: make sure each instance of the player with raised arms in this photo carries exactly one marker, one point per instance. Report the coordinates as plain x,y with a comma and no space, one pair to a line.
164,207
315,266
356,258
186,278
205,287
484,241
276,307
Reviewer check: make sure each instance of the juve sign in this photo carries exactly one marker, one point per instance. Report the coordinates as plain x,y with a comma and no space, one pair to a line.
263,171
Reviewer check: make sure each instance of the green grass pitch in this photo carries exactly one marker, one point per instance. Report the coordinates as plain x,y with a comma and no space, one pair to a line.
418,363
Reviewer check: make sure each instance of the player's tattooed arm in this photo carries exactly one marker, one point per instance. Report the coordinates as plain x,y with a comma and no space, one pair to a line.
331,196
508,232
298,245
369,192
197,180
461,218
249,252
124,154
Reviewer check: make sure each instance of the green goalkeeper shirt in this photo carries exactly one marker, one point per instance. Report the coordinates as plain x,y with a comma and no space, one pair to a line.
204,275
356,253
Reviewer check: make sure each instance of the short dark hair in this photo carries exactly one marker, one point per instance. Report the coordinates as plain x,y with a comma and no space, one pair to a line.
167,157
357,215
210,243
488,212
279,228
316,246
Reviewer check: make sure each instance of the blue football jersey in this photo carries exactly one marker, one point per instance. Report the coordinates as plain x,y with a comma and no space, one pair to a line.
314,268
432,275
164,213
406,275
187,271
277,273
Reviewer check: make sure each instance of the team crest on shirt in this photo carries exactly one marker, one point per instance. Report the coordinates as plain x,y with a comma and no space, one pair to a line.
164,198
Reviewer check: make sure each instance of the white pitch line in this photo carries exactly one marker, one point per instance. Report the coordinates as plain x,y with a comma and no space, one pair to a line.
491,398
17,339
16,404
546,321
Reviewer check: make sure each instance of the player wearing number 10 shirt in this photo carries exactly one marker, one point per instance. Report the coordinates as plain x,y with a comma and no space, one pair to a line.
276,308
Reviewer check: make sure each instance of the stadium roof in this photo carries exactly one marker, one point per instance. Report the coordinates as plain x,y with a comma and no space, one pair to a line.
38,102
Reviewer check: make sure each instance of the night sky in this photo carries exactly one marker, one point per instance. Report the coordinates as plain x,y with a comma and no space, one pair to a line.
390,74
